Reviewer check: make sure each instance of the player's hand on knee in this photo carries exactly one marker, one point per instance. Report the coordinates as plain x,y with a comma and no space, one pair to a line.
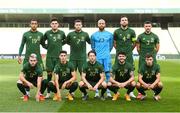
152,86
90,87
30,85
95,87
64,85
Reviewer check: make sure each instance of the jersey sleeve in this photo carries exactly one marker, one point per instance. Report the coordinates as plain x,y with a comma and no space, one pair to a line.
138,39
63,38
92,42
115,35
131,70
101,68
141,70
158,69
22,44
43,41
39,71
111,41
133,36
71,67
88,38
157,39
84,67
68,39
113,71
56,69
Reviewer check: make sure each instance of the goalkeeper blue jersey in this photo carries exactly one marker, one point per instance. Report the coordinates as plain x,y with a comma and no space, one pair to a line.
102,43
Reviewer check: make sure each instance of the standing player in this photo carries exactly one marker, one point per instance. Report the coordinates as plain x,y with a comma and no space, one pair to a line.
77,41
64,78
102,43
149,78
30,76
32,39
147,42
92,76
55,40
123,77
125,40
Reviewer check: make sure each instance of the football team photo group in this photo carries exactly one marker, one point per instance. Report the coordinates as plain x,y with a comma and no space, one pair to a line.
92,70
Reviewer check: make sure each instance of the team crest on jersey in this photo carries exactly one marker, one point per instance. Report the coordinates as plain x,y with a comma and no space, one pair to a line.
96,70
67,70
32,74
153,72
143,38
82,38
50,35
38,38
58,36
152,39
125,70
101,40
74,36
128,36
30,36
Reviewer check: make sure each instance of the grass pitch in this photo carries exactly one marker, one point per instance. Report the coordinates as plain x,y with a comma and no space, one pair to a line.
10,96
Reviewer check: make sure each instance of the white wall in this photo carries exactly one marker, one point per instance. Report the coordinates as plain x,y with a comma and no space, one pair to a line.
10,39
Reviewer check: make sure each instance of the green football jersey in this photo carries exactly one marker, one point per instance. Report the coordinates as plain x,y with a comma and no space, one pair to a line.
122,72
32,41
32,73
125,38
64,71
55,41
93,71
147,43
149,73
77,42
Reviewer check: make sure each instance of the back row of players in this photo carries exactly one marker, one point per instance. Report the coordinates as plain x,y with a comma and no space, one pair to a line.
94,74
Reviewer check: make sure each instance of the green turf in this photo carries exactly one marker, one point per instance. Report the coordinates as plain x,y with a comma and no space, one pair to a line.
10,96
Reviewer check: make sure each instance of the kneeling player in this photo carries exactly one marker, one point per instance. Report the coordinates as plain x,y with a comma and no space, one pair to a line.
149,78
30,76
122,77
92,76
64,78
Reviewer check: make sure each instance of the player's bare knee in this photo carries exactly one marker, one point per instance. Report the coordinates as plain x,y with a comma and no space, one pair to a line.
104,84
133,83
20,82
81,83
109,84
138,85
160,84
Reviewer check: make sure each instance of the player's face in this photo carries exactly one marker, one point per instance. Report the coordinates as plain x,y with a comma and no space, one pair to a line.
54,25
124,22
101,25
34,25
63,57
92,57
147,28
149,61
32,61
121,58
78,26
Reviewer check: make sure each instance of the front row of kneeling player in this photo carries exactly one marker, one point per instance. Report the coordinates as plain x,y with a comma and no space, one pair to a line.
92,78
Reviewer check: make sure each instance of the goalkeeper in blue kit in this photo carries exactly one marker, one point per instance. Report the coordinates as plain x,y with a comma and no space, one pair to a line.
102,43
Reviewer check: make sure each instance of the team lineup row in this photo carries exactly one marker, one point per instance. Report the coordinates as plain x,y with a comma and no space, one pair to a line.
102,42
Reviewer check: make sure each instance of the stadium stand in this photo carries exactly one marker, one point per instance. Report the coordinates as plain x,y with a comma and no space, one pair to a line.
12,38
